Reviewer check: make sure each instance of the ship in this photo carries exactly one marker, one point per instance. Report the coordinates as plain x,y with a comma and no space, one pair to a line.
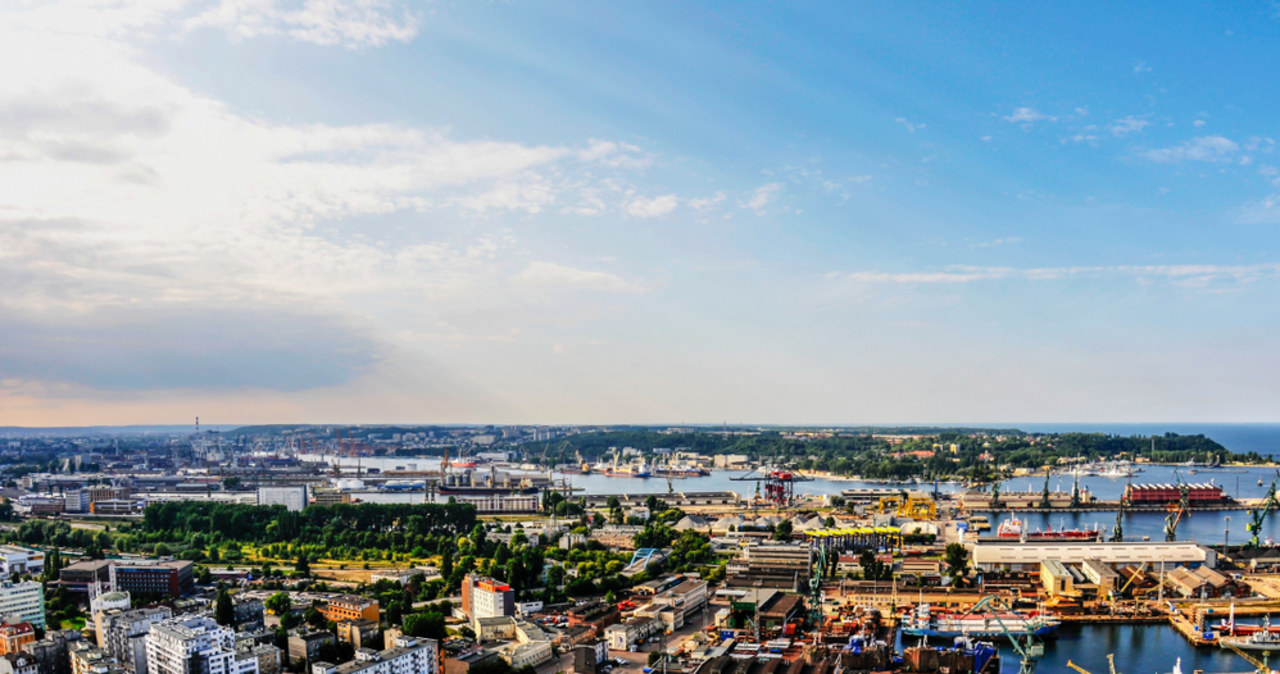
640,469
979,523
628,469
1262,639
1014,528
987,625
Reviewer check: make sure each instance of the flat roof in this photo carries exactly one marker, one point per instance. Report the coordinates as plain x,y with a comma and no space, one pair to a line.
1075,552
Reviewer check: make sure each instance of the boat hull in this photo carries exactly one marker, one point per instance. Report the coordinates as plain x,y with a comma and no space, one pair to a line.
1043,632
484,491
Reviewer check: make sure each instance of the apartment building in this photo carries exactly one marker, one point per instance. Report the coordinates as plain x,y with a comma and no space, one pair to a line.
306,644
351,607
13,636
487,598
15,559
89,659
24,600
407,656
123,635
194,645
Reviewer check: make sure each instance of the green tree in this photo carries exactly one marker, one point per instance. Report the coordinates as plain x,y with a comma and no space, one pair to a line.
957,559
279,603
429,625
224,609
783,531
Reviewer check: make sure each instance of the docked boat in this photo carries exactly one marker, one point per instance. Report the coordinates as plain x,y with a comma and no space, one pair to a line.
980,523
1264,639
1014,528
989,625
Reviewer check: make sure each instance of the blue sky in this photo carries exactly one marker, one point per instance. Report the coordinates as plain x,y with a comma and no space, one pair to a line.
381,211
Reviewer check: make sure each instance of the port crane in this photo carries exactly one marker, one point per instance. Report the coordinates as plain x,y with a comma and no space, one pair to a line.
1257,517
1111,664
1030,651
1177,510
1262,666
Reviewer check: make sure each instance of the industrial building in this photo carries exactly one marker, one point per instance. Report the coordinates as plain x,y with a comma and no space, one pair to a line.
292,498
1201,493
1014,556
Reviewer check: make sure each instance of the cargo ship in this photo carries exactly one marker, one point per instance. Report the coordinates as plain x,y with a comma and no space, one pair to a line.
615,469
923,622
1014,528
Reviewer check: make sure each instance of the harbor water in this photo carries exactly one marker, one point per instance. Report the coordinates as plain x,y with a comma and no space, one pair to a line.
1138,649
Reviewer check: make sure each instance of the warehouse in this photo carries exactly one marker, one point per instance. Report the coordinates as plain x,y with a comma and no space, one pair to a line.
995,555
1159,494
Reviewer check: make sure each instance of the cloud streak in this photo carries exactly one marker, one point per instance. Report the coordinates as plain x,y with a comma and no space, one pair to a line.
1190,275
1201,149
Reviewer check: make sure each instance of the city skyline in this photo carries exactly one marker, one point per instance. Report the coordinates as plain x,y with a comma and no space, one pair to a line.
392,212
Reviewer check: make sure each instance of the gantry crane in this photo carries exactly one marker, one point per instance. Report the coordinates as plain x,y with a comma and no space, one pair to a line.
779,485
1030,651
1257,517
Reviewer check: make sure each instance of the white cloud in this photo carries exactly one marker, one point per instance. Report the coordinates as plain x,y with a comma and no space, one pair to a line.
762,196
1028,116
1198,123
1204,148
1141,67
549,274
909,126
653,207
1002,241
704,204
347,23
1126,125
1188,275
377,234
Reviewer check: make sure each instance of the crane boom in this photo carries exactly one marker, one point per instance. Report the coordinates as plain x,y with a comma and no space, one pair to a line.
1257,517
1263,666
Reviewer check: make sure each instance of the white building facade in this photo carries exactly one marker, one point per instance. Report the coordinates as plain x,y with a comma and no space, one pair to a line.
25,600
194,645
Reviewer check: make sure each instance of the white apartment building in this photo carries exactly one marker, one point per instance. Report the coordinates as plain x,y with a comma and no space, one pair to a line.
194,645
123,634
14,559
407,656
25,600
292,498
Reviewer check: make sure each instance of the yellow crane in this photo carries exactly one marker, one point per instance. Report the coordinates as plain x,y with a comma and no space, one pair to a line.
1117,594
1111,663
1262,666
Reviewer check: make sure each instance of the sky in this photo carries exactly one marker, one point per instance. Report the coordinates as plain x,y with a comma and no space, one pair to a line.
377,211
